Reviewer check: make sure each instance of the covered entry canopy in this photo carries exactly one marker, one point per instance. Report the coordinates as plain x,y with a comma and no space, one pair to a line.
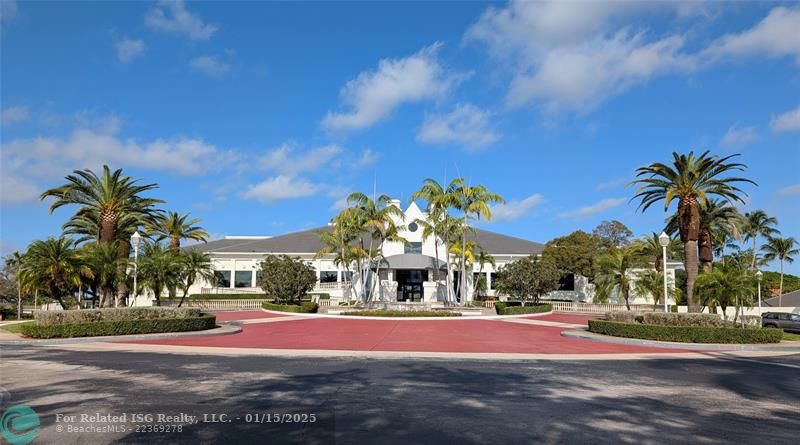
409,261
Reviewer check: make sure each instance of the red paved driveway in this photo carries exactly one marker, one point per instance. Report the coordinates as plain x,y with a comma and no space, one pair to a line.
481,336
581,319
244,315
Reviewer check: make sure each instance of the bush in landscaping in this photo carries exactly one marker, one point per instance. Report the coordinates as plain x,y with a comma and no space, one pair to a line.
685,319
228,297
286,279
685,334
320,296
625,317
50,318
118,327
304,308
391,313
503,309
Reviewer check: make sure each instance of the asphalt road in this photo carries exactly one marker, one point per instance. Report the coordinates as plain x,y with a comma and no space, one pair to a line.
360,401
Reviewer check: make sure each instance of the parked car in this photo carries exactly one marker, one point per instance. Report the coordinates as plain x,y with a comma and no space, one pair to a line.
786,320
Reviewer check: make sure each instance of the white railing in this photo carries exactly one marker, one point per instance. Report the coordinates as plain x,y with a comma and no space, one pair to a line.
228,290
232,304
489,304
559,306
333,286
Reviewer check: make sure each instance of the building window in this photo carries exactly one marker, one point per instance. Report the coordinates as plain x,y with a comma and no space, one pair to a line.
243,278
223,278
413,247
327,276
492,280
567,282
347,277
413,227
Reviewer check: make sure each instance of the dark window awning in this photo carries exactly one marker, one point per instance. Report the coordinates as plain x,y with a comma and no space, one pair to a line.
411,261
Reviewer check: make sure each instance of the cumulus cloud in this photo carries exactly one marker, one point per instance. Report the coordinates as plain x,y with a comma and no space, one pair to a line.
790,190
775,35
516,209
287,159
171,16
737,137
210,65
14,115
280,188
373,95
366,158
789,121
593,209
466,125
129,49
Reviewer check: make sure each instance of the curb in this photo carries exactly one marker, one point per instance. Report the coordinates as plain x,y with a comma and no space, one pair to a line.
223,329
586,335
360,317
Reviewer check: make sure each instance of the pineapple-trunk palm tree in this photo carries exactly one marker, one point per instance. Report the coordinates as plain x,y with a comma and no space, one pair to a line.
716,217
758,223
54,265
783,250
691,180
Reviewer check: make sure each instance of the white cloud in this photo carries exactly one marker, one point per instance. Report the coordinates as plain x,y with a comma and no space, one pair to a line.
366,158
287,160
15,189
737,137
466,125
373,95
8,10
515,209
614,183
129,49
789,121
280,188
791,190
210,65
593,209
775,35
172,16
13,115
29,162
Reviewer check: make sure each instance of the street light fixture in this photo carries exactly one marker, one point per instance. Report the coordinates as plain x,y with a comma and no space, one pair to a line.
135,240
663,239
759,275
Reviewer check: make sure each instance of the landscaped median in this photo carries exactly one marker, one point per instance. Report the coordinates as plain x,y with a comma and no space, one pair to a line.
684,328
303,308
510,308
116,321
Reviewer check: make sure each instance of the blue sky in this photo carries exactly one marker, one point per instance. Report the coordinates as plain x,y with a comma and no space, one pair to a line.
259,117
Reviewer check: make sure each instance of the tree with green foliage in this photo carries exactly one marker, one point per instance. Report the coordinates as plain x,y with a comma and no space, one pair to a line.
176,227
781,249
286,279
614,273
650,248
108,270
651,282
613,234
718,220
758,223
159,269
527,279
482,258
574,253
54,265
194,265
723,286
691,180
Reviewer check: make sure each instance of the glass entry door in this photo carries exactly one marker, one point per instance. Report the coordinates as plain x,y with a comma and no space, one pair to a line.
409,284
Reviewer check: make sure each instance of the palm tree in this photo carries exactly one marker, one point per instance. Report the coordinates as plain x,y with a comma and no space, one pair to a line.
692,180
652,282
717,217
438,202
14,261
54,265
726,285
758,223
650,247
470,201
781,249
614,273
159,269
195,265
175,227
108,268
483,258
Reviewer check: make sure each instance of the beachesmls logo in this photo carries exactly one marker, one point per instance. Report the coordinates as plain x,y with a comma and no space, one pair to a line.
20,425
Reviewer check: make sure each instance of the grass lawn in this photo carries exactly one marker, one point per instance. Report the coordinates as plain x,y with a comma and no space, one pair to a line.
17,327
788,336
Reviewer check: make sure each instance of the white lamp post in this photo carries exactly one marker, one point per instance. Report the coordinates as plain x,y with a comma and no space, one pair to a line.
759,275
135,239
663,239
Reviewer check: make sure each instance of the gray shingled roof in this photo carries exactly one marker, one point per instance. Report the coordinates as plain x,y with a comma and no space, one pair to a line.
308,241
411,261
790,299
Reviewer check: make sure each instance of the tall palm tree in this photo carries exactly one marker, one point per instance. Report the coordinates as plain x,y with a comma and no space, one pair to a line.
159,269
482,259
692,180
614,273
54,265
717,217
471,201
650,247
176,227
758,223
14,262
195,265
781,249
108,268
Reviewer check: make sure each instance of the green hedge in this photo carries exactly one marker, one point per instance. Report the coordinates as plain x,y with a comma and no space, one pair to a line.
47,318
305,308
391,313
119,327
504,309
685,334
228,297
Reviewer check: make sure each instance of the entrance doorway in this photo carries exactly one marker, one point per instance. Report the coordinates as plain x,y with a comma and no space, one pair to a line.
409,284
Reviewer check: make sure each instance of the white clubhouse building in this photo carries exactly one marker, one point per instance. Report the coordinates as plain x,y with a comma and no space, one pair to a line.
407,272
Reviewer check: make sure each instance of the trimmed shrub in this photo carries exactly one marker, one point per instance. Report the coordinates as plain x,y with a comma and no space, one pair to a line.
304,308
624,317
227,297
320,296
685,334
390,313
503,309
52,318
685,319
119,327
